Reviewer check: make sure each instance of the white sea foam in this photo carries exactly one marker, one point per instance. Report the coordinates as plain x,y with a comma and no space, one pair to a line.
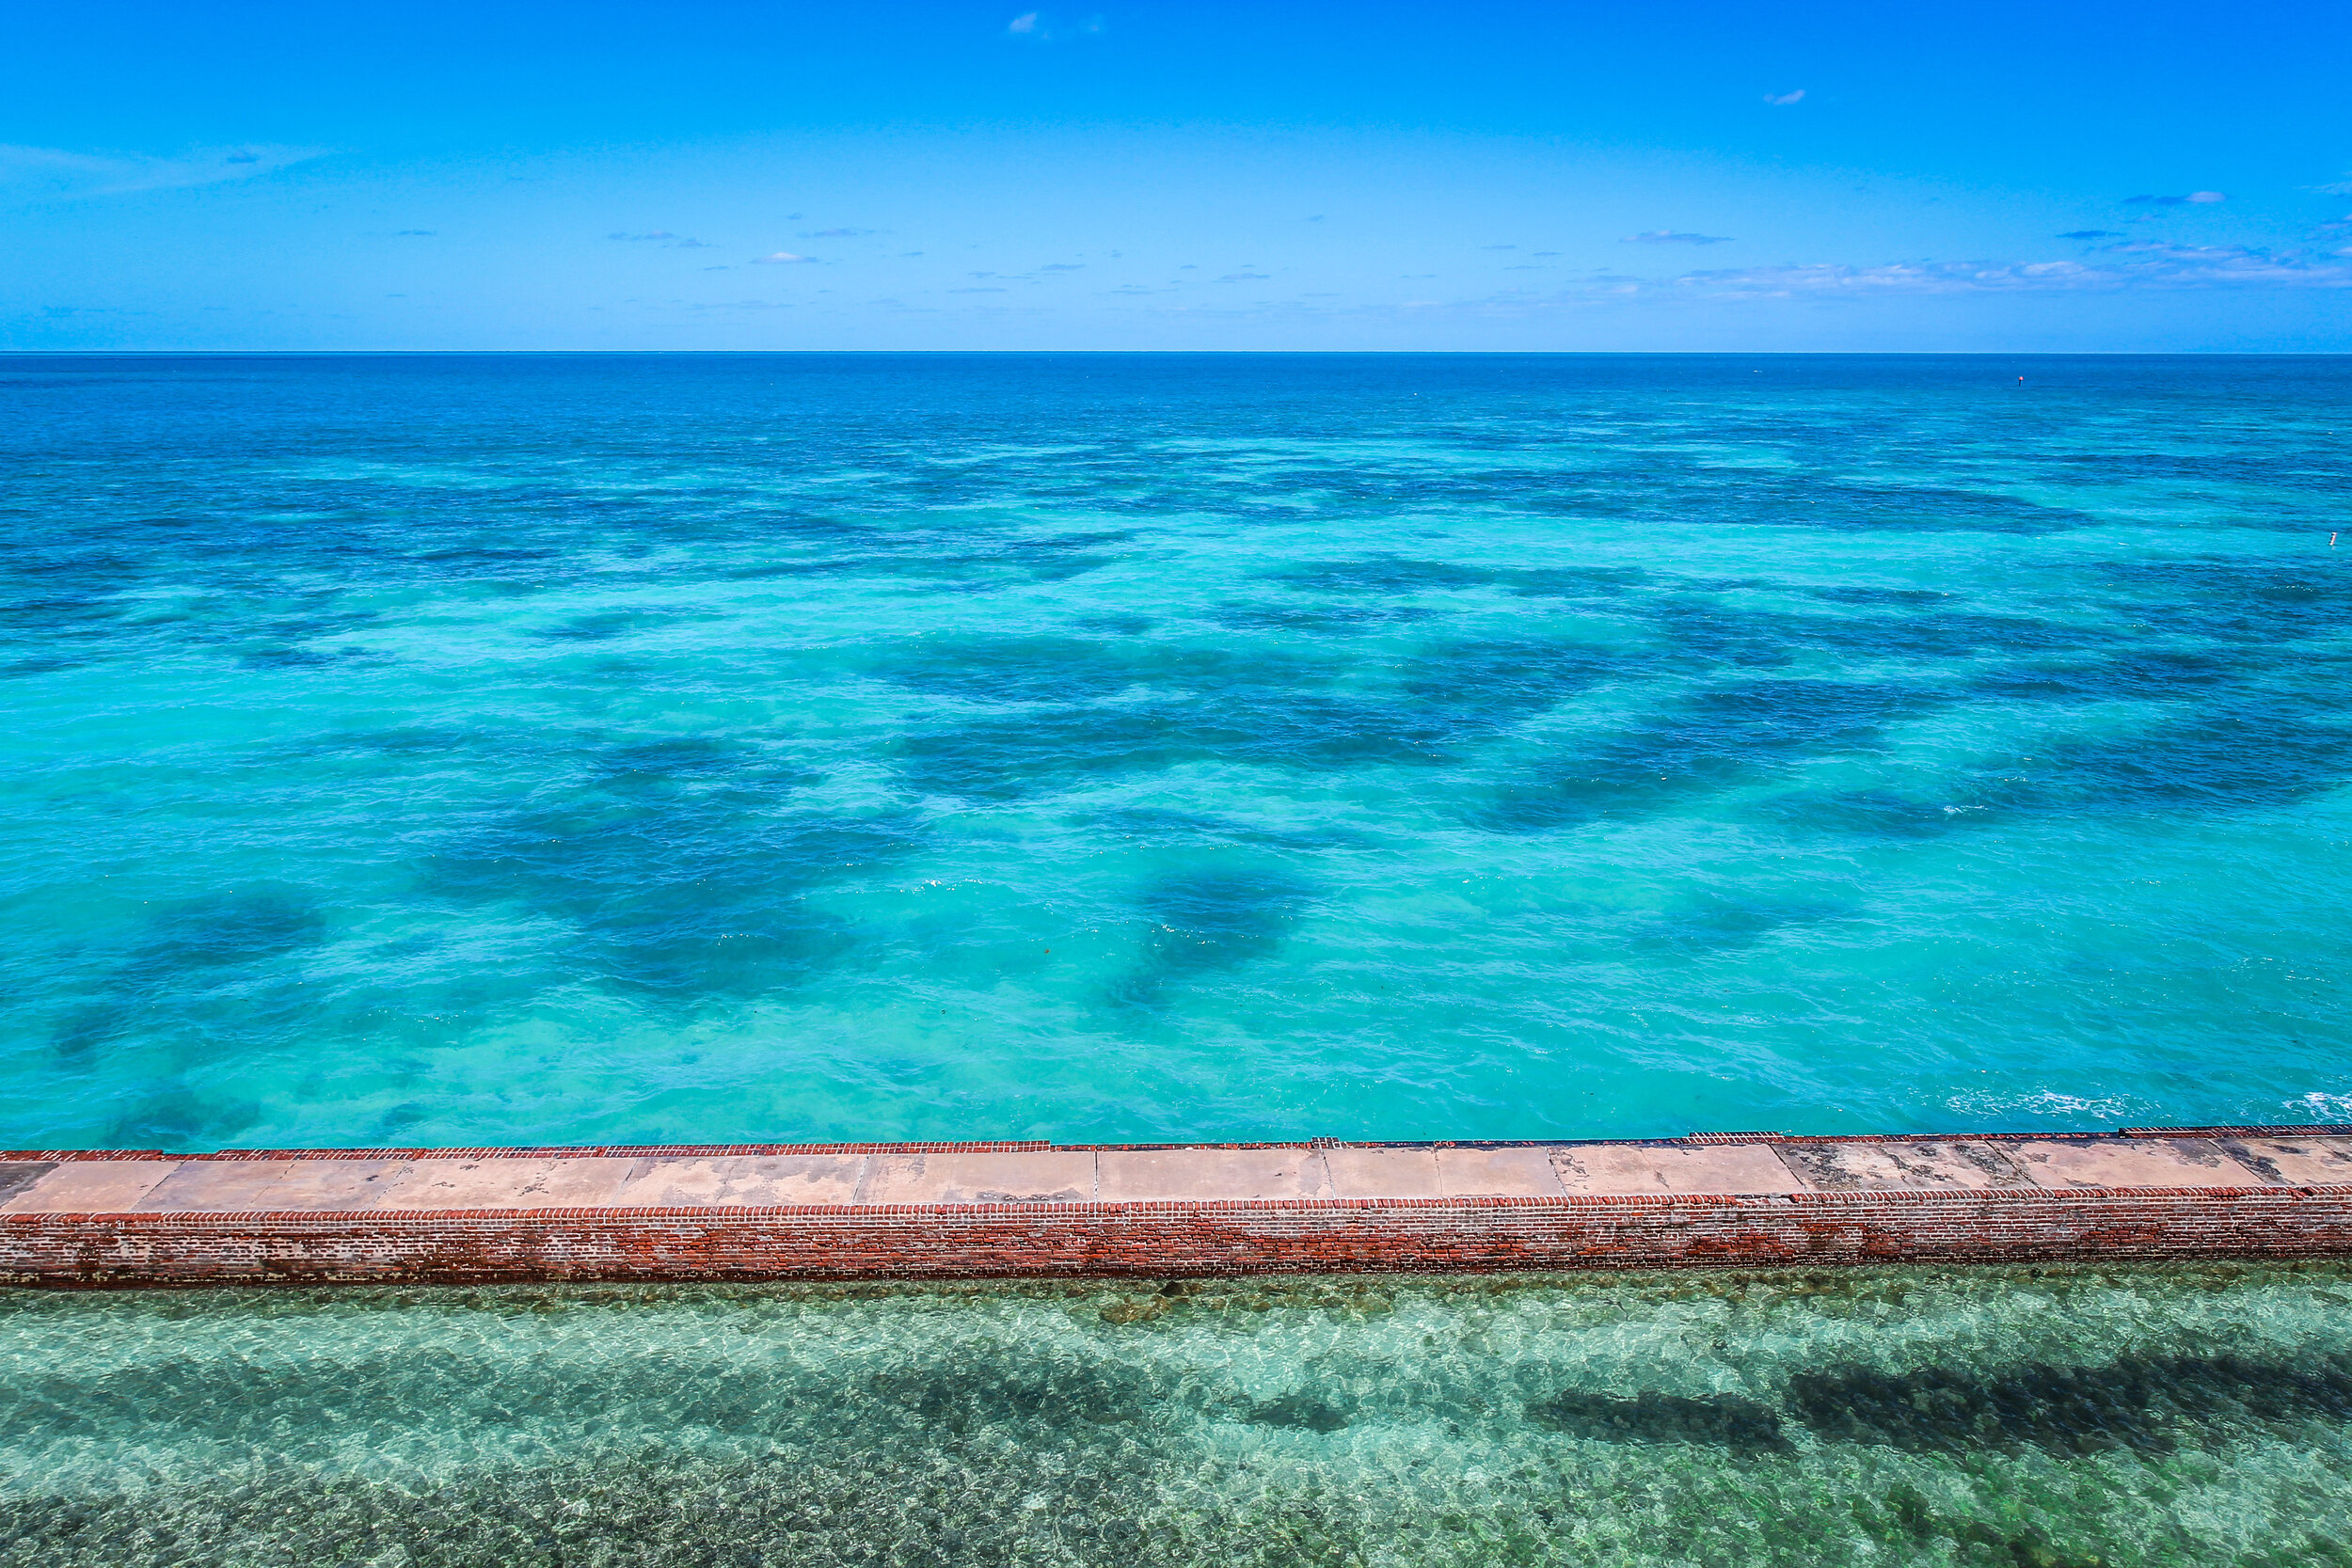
2046,1107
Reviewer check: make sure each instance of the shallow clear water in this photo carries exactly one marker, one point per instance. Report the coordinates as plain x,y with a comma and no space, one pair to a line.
451,750
1997,1417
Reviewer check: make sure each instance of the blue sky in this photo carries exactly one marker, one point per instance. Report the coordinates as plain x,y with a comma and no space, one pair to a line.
1199,176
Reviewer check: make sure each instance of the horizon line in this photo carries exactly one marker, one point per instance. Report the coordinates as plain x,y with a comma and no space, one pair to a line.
1193,353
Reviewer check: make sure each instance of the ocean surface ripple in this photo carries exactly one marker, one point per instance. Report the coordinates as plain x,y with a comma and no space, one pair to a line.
452,750
1986,1418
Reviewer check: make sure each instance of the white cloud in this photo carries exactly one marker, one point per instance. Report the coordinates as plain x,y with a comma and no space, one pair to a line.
1669,236
1782,99
54,172
2109,267
1036,26
2104,269
780,258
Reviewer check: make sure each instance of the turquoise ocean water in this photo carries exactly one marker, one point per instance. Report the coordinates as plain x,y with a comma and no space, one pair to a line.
465,750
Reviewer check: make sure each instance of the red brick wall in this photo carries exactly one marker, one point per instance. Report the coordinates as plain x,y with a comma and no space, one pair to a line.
1172,1239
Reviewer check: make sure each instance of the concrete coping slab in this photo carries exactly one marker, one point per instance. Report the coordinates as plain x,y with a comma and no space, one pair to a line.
854,1176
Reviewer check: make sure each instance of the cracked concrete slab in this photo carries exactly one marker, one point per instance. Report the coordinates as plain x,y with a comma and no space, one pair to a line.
1957,1165
2129,1163
1049,1175
1730,1169
1147,1174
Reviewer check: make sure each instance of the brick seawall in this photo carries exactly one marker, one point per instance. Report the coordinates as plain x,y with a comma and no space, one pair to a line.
92,1218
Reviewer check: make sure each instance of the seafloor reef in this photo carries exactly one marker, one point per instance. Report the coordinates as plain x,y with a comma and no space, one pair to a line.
2052,1417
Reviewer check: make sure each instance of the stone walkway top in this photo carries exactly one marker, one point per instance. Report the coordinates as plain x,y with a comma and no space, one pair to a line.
865,1175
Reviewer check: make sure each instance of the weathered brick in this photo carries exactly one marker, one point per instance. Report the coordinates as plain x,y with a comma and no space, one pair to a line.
1833,1217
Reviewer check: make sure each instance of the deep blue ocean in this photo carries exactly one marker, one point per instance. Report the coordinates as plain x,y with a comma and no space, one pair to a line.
455,749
